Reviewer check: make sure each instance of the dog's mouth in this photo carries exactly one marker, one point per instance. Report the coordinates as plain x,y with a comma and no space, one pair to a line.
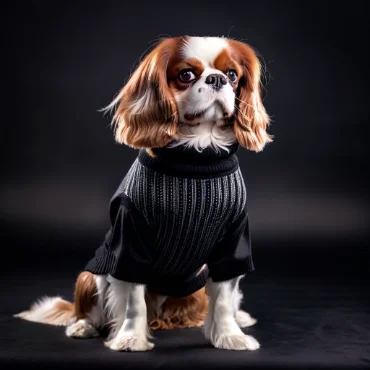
193,118
190,117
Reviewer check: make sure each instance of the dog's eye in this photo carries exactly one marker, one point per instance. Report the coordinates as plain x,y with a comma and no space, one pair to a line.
232,75
186,76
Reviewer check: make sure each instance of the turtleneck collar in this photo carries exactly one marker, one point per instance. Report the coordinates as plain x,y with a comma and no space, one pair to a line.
188,162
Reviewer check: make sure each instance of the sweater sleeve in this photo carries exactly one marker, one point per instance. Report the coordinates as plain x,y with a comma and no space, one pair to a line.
232,255
126,251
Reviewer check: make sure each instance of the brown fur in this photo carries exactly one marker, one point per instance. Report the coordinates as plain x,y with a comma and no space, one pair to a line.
155,123
184,312
65,306
224,62
85,294
150,152
60,314
251,119
174,69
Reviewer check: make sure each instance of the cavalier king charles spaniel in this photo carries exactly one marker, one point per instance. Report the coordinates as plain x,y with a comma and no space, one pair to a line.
179,242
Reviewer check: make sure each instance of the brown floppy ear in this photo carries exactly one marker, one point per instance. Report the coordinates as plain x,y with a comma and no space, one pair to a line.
146,113
251,119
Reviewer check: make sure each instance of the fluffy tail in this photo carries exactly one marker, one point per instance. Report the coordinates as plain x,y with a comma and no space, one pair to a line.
50,310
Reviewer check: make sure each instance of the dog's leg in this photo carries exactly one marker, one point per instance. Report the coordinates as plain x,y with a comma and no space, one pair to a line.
133,333
220,326
243,319
89,298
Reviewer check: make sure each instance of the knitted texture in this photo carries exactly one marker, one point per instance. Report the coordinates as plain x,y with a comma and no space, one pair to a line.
173,213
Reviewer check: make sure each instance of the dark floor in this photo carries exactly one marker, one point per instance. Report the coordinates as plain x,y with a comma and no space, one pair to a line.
311,300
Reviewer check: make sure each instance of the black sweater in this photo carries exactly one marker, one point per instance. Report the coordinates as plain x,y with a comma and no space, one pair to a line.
172,214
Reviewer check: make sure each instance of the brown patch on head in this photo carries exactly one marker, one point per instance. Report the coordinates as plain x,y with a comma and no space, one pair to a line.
85,294
224,62
175,68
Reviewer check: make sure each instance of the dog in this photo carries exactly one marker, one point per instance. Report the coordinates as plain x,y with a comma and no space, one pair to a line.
179,240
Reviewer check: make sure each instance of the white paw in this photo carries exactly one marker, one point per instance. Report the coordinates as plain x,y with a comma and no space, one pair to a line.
81,329
130,343
238,342
244,319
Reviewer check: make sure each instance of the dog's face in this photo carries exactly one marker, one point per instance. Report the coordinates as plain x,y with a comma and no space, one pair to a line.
192,81
204,80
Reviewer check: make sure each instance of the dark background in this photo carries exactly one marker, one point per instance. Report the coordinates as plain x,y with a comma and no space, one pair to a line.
308,191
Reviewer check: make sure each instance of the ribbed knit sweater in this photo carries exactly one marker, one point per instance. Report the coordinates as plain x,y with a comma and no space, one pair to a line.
173,213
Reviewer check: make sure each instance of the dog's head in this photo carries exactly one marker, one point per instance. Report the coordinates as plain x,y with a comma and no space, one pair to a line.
192,80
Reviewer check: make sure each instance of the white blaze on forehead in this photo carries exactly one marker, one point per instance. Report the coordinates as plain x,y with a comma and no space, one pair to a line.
206,49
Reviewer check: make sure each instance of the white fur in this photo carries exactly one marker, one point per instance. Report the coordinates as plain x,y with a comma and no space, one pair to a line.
244,319
116,302
81,329
97,315
204,135
122,306
95,319
220,326
133,333
205,49
159,301
44,310
143,102
201,97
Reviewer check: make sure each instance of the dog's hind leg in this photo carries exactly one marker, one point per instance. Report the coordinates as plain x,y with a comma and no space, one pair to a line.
89,306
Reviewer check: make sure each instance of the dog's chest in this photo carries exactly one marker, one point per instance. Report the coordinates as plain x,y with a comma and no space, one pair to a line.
188,215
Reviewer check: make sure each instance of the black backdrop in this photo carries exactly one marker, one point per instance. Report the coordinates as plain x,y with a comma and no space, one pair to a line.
308,193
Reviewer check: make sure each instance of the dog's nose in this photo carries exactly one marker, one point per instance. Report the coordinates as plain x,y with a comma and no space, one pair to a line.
216,81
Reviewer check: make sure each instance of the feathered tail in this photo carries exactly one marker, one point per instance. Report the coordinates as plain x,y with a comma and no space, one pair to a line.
50,310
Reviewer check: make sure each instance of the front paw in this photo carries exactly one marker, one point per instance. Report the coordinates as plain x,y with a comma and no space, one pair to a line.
236,342
130,343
